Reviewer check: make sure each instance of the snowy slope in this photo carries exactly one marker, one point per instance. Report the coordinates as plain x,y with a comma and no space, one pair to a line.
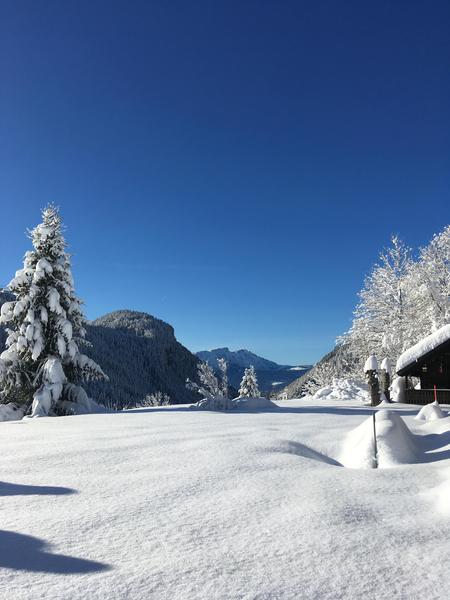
178,504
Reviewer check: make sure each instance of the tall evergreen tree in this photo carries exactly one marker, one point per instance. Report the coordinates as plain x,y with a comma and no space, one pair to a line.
45,326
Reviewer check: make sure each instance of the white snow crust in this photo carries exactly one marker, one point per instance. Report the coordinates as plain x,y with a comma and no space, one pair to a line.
169,503
423,347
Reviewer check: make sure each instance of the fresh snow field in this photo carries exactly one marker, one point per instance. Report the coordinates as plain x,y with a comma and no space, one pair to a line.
173,503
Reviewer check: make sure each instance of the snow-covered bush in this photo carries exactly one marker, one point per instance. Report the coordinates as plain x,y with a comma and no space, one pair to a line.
45,326
156,399
249,384
322,374
343,389
214,392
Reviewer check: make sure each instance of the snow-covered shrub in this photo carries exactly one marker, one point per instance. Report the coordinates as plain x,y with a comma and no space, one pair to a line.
214,392
343,389
322,374
156,399
249,384
45,326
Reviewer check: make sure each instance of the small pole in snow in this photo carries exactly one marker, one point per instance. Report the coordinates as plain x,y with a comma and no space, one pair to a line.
435,393
375,448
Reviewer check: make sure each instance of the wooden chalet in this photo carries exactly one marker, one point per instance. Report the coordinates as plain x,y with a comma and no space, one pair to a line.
429,361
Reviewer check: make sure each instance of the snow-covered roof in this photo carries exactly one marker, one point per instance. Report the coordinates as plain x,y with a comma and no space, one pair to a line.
428,344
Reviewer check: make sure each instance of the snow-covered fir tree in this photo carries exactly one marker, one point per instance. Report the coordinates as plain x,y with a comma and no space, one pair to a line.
249,384
42,364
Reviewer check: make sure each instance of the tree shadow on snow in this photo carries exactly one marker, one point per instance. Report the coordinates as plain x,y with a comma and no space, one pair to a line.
330,410
18,489
291,447
26,553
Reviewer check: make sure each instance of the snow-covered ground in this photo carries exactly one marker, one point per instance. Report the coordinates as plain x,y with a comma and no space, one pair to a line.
171,503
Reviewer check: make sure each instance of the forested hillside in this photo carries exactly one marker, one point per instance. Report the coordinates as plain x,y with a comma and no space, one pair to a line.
141,356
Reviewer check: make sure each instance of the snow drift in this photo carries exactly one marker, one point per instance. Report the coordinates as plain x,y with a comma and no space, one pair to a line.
430,412
252,403
10,412
396,444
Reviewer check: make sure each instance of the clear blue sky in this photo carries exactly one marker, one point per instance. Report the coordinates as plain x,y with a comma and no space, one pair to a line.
231,167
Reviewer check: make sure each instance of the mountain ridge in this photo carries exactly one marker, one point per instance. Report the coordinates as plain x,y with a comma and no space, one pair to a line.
271,375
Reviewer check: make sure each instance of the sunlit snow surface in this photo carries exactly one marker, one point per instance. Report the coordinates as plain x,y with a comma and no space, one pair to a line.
178,504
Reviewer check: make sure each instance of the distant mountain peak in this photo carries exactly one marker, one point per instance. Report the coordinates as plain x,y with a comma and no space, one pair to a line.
242,358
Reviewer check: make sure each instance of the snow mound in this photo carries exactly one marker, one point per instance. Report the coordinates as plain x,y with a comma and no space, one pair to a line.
76,402
384,401
430,412
213,403
398,389
343,389
10,412
252,403
396,445
423,347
